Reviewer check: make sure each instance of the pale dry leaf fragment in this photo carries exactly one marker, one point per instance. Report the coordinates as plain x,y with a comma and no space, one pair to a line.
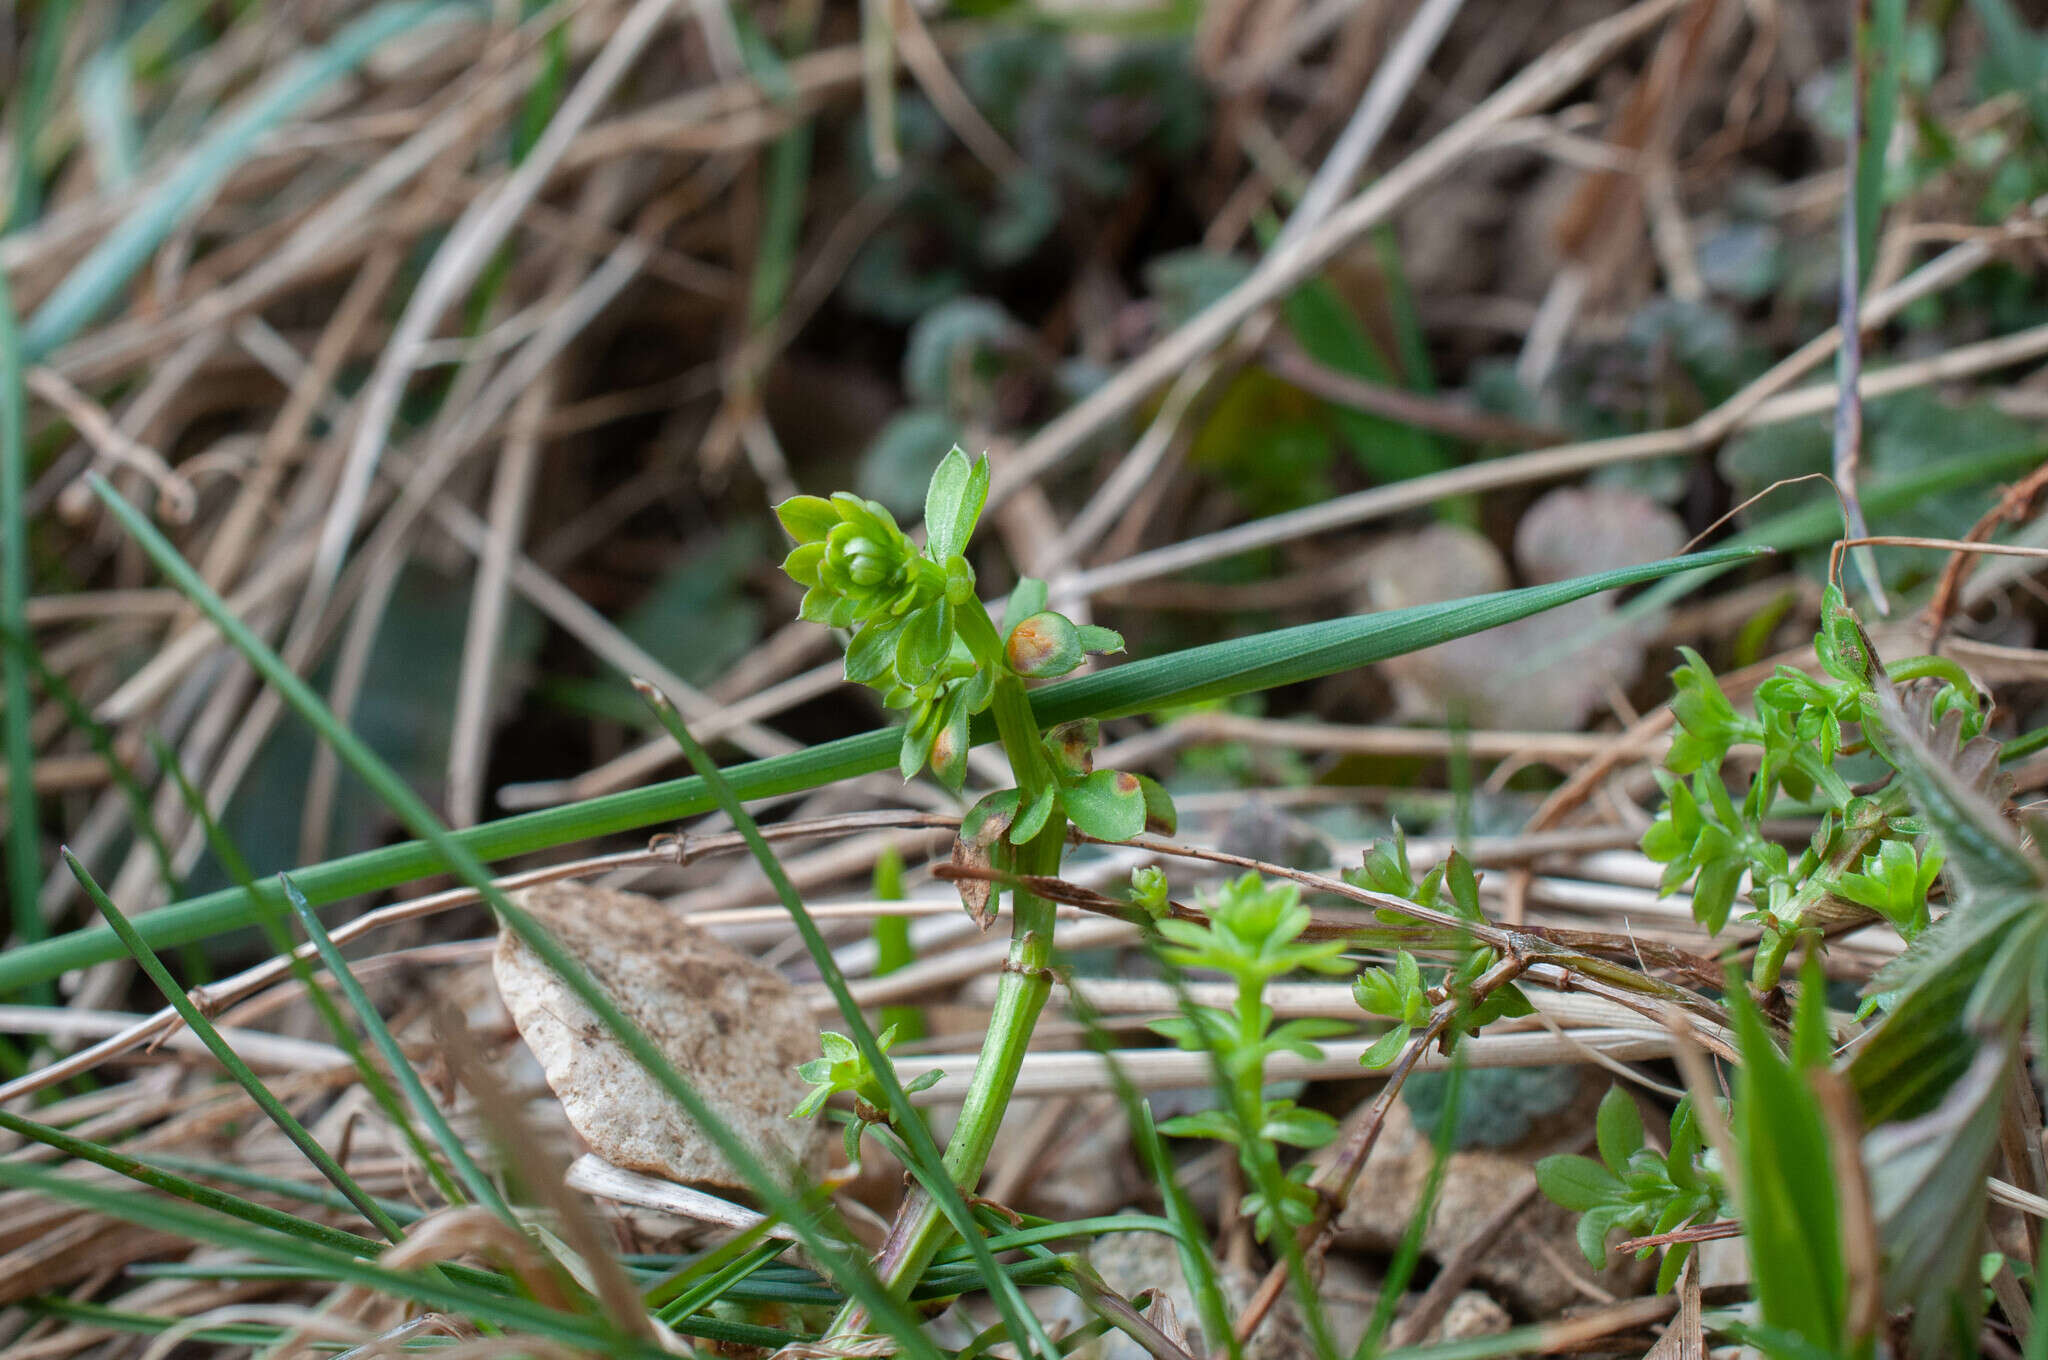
734,1029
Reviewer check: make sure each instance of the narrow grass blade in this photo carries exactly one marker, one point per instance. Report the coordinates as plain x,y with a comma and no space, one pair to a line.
103,273
196,1020
424,1287
306,1192
204,1196
925,1158
24,835
1218,670
31,111
720,1282
99,1317
479,1185
893,949
450,851
141,818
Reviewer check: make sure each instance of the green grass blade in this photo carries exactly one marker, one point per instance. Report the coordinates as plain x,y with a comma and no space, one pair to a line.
100,1317
196,1020
230,855
1809,525
479,1186
1331,335
1409,1251
97,735
306,1192
450,851
204,1196
893,949
924,1157
720,1282
1879,43
32,111
425,1287
24,839
1219,670
102,274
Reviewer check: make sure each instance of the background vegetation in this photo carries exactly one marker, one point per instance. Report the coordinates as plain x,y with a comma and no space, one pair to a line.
1360,938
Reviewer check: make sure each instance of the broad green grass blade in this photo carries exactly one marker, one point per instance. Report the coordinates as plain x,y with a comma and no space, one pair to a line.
196,1020
1786,1186
24,838
1331,335
924,1158
1810,525
1218,670
2017,56
106,113
479,1186
450,850
101,275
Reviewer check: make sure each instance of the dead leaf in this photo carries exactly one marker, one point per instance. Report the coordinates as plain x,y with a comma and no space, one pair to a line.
735,1029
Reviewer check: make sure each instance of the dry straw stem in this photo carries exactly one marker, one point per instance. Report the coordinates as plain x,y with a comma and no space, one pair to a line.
461,258
1056,1073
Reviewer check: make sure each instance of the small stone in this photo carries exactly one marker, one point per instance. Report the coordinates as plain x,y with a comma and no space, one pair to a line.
735,1030
1476,1183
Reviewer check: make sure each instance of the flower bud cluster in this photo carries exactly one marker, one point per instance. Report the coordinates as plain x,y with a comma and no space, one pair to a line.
863,573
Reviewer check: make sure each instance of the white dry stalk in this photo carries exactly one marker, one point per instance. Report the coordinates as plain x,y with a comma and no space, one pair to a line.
1152,1069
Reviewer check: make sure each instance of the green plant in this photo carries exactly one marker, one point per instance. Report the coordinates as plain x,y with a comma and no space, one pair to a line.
1899,1134
1635,1187
1252,935
1401,993
845,1069
1869,853
922,637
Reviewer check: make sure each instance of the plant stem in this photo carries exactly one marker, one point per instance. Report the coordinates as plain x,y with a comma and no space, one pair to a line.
1021,992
